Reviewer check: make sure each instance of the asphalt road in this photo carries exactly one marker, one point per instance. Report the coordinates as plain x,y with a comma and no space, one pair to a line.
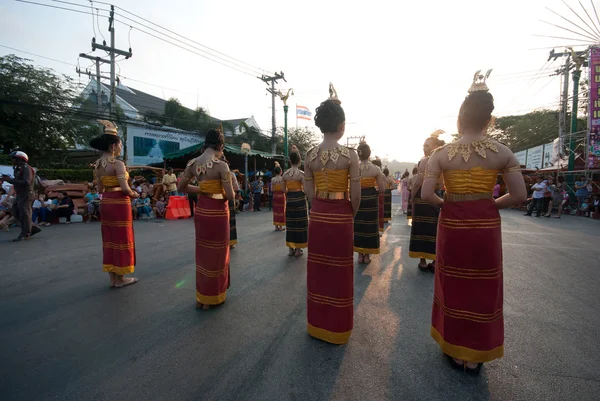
66,336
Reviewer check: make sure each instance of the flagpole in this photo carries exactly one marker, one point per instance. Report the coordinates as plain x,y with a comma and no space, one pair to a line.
296,116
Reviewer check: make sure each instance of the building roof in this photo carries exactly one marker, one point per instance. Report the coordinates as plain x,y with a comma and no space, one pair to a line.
146,103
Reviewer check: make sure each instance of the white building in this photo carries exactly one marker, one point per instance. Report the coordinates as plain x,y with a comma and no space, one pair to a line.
147,140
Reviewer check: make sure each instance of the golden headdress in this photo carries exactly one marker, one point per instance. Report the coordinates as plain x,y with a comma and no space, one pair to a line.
277,164
333,94
436,134
109,127
479,81
295,149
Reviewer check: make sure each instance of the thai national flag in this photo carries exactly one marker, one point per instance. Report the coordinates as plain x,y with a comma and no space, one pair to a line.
303,113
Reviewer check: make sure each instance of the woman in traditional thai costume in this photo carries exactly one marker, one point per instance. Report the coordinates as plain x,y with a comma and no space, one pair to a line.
330,267
387,205
296,209
424,216
112,180
278,199
404,191
211,220
366,221
467,320
380,215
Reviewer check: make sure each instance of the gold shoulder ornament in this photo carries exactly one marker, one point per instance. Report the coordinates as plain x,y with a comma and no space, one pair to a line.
465,149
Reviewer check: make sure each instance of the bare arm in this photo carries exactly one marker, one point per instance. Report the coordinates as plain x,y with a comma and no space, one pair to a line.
226,180
235,183
283,186
354,182
418,180
517,192
381,181
433,170
309,186
98,182
121,177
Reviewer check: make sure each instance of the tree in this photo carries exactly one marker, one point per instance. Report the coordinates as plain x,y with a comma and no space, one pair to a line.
303,137
36,109
528,130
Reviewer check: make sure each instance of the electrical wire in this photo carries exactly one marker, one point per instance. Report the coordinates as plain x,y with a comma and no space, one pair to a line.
93,24
207,56
237,62
98,22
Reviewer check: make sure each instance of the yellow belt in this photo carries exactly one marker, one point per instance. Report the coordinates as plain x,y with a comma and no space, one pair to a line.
112,189
332,195
214,196
466,197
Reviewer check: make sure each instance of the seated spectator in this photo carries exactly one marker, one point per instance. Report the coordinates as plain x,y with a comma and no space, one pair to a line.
160,208
64,206
93,203
585,207
41,211
3,202
142,205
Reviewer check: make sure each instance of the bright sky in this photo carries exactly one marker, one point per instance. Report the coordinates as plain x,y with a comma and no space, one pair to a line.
401,69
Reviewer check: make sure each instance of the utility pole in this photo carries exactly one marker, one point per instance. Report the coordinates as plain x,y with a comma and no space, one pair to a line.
98,61
574,60
113,52
272,79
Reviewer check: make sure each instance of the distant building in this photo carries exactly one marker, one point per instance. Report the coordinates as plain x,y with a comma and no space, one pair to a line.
147,138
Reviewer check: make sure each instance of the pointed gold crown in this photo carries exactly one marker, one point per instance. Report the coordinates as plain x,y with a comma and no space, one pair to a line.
333,94
109,127
479,82
436,134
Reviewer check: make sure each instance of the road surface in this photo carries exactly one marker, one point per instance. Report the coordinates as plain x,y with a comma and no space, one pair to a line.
67,336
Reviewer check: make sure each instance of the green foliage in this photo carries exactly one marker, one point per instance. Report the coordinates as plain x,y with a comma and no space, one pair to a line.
178,116
5,160
71,175
303,137
36,112
529,130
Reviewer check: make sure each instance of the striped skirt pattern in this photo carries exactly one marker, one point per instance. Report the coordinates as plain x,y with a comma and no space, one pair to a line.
366,223
330,271
296,219
387,205
467,317
232,223
211,222
424,229
118,242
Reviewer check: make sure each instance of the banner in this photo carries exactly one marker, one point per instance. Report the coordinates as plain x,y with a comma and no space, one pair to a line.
547,157
534,157
522,157
148,146
594,109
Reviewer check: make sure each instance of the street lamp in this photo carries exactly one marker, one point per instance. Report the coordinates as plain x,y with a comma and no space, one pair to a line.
284,98
246,150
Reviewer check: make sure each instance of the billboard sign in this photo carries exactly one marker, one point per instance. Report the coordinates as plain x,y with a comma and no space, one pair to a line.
148,146
534,157
594,109
522,157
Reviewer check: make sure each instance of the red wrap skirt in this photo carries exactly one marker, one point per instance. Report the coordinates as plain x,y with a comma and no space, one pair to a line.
381,217
279,209
330,271
211,221
118,242
467,319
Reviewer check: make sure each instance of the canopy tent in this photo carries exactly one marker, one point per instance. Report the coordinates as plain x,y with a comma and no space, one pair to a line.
257,160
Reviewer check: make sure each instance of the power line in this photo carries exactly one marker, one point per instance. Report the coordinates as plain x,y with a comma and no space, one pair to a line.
206,55
186,38
243,64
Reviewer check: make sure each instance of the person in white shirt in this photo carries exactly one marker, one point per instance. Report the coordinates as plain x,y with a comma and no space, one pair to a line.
538,197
